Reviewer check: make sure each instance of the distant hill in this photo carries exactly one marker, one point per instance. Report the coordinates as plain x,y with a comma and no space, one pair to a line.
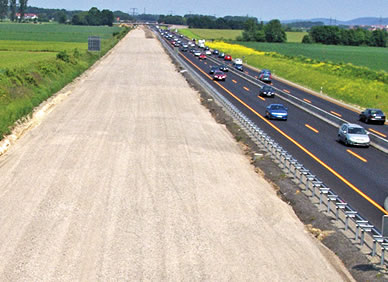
358,21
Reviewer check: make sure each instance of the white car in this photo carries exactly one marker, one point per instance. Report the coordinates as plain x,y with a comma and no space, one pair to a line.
197,53
238,61
353,134
208,52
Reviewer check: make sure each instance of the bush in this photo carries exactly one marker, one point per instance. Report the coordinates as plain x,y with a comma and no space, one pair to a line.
63,56
307,39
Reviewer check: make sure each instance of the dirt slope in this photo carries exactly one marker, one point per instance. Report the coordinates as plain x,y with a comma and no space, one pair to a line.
130,178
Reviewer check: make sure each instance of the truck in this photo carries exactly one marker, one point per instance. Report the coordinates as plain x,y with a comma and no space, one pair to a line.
201,43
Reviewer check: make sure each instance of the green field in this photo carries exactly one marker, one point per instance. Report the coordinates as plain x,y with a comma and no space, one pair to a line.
211,34
295,37
53,32
12,59
37,60
40,46
371,57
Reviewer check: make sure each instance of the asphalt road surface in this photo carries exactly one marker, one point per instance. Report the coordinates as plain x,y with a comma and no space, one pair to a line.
130,178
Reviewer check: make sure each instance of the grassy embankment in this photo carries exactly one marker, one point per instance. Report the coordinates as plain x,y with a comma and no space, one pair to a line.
39,60
352,84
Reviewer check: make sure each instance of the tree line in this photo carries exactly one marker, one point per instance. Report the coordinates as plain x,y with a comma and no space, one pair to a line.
209,22
10,7
273,31
94,17
334,35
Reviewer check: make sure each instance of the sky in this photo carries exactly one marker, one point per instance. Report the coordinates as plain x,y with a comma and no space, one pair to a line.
262,9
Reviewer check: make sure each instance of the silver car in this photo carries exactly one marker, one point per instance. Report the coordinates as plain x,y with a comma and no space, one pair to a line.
353,134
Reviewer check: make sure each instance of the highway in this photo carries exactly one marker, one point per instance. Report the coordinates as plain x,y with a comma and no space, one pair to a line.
357,175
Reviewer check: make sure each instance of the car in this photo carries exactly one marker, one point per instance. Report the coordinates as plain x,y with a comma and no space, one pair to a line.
221,55
185,45
192,50
276,111
228,58
213,69
265,76
237,61
219,75
267,90
353,134
207,48
184,49
197,53
202,56
208,52
238,67
223,68
372,115
216,52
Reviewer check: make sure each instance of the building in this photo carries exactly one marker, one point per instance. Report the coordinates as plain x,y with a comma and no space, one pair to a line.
27,16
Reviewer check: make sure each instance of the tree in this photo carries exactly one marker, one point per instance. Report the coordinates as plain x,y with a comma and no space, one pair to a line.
22,8
307,39
379,38
12,7
107,17
94,16
3,9
60,17
79,19
274,32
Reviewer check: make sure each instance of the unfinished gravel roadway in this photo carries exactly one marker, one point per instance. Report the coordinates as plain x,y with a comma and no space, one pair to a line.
130,178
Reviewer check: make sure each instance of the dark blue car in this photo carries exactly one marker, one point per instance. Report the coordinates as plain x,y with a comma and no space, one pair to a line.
276,111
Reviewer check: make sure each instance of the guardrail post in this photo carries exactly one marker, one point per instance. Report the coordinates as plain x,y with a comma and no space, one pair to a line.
349,214
359,223
315,184
384,247
331,198
376,239
365,228
322,191
338,206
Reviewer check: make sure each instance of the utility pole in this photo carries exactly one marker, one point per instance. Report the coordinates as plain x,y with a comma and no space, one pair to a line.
134,11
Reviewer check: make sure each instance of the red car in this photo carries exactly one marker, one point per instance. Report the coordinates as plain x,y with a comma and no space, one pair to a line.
228,58
202,56
219,75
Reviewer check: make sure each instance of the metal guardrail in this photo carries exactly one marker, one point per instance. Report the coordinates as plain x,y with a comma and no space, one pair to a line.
365,233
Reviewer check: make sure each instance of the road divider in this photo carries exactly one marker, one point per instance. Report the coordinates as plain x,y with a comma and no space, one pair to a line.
311,128
356,155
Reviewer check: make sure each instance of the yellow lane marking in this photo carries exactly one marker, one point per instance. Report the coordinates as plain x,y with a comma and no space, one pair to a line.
246,72
308,101
337,114
375,131
205,63
357,156
312,128
246,88
261,98
234,81
296,143
285,90
256,76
